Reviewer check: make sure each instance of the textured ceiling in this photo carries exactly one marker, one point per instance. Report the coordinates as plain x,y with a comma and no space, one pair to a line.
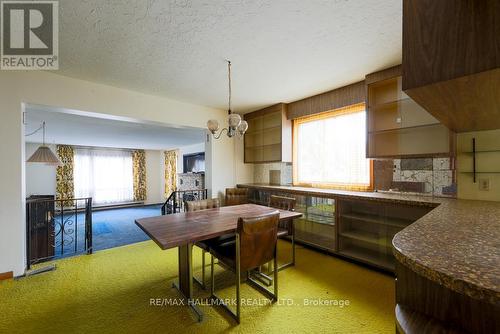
282,50
70,129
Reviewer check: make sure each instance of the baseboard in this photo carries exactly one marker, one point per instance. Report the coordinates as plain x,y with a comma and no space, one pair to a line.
7,275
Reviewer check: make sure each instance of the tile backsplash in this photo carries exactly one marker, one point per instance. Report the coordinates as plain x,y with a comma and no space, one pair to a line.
429,176
262,172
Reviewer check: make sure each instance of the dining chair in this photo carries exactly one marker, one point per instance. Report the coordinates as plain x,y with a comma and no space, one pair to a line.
236,196
285,228
203,204
255,244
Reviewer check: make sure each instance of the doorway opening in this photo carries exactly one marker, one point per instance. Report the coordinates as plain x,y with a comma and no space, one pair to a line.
113,172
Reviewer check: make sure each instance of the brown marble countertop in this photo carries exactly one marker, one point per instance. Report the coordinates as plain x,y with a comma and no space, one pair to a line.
457,244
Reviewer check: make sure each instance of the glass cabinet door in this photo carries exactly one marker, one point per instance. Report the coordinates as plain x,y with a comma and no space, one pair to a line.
317,225
366,229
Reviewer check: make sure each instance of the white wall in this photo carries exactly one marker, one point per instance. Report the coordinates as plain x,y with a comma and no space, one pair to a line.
243,173
40,178
45,88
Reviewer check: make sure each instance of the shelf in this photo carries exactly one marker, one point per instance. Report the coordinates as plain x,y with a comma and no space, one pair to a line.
366,237
389,103
393,222
328,222
481,151
384,262
262,146
403,128
263,129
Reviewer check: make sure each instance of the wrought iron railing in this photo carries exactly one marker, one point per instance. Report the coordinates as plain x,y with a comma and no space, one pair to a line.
176,201
57,228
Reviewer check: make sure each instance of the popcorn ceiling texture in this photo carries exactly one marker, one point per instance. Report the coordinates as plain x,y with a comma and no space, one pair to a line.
281,51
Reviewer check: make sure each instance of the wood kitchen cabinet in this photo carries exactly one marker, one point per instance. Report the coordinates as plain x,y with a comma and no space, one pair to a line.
366,229
269,135
451,61
397,126
316,227
359,229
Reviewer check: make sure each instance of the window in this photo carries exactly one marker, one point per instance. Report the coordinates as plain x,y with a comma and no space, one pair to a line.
104,175
330,150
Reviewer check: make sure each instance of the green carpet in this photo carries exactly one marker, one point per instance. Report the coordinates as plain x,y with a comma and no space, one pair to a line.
110,292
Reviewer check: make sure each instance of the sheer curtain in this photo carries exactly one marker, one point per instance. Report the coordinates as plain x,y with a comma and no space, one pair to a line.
331,149
104,175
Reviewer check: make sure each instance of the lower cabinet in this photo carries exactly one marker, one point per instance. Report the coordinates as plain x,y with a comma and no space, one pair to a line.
317,225
358,229
366,229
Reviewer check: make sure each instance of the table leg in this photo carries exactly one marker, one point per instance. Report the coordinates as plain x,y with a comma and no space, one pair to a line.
185,286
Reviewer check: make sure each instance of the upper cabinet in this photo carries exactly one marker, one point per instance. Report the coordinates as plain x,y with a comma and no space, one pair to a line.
269,135
451,60
397,125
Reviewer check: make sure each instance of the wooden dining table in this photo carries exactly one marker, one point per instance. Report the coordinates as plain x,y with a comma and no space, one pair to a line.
182,230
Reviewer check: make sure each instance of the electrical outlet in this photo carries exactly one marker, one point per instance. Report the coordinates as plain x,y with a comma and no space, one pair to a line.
484,184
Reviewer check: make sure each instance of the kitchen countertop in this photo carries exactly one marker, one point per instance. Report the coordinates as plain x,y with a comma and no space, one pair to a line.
381,196
457,244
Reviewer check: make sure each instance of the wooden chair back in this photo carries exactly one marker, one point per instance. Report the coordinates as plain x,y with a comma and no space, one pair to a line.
257,240
203,204
282,203
236,196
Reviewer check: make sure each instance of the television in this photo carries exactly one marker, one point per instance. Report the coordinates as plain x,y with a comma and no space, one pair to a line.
194,163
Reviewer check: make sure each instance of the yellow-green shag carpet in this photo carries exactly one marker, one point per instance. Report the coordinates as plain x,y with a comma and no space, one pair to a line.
111,291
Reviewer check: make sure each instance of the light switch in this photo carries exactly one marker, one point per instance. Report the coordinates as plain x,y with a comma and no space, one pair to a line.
484,184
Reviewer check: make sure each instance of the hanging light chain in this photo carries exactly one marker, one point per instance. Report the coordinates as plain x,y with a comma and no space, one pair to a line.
229,76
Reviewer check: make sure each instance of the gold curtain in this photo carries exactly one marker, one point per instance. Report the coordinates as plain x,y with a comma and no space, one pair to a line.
170,172
139,166
65,188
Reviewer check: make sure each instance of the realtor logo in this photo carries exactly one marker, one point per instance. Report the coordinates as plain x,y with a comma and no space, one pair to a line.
29,35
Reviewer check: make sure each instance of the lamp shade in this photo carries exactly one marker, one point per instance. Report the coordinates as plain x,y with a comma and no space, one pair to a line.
234,120
44,155
243,127
213,125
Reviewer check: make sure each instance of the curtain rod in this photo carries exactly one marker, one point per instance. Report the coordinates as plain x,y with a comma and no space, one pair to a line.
105,148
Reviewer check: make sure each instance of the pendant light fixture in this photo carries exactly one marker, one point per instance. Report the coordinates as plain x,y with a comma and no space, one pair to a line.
236,126
44,154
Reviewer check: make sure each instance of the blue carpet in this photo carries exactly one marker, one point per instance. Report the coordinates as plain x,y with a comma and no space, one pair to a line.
110,228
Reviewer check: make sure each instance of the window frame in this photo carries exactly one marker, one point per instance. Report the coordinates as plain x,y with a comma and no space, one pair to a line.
328,185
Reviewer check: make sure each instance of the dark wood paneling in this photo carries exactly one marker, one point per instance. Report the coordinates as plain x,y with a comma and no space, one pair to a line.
456,311
337,98
465,104
408,322
447,39
265,111
388,73
451,60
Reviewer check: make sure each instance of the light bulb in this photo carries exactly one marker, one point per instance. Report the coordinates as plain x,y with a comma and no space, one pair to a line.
243,127
213,125
234,120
